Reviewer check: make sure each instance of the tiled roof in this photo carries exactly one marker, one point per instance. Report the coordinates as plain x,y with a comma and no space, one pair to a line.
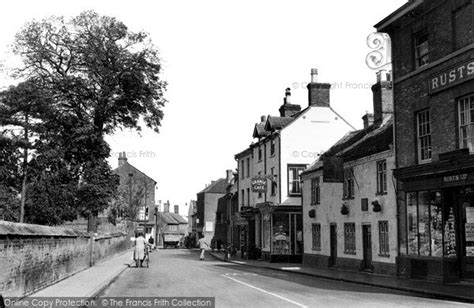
259,130
277,122
218,187
172,218
378,140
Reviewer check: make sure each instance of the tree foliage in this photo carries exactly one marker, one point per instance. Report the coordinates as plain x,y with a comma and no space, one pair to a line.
83,78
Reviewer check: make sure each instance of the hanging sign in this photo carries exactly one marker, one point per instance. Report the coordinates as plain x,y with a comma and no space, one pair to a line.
259,184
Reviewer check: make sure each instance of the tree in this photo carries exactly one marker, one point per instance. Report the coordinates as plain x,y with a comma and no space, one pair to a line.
96,76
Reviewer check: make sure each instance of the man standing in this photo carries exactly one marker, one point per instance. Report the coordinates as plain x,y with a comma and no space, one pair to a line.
202,246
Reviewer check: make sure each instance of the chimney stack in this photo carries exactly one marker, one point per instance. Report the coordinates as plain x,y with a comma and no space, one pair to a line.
263,119
229,175
368,119
382,96
176,209
318,93
167,207
288,109
122,159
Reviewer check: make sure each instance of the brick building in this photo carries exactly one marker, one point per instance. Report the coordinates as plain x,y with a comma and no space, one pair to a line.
433,71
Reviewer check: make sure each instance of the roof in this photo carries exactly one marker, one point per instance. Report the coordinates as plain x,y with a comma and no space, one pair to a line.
217,187
259,130
172,218
360,143
274,123
410,5
134,168
378,140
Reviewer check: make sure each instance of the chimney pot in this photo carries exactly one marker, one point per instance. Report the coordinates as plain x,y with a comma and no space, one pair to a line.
122,159
368,119
314,75
263,118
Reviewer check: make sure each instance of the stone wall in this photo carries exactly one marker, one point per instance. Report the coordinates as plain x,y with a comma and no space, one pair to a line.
33,257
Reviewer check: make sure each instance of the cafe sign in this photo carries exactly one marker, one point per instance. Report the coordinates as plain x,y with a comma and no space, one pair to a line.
259,184
450,77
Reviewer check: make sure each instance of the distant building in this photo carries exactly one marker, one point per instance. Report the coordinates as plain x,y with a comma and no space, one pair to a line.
137,191
227,205
207,206
171,225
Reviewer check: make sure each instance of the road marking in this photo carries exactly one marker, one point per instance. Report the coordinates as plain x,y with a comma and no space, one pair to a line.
240,274
266,292
239,262
291,268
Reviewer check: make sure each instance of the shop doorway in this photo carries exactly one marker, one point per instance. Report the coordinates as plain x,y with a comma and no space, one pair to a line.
467,238
367,248
333,245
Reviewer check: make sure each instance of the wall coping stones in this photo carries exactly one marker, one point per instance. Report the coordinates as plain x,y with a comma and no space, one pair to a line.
8,228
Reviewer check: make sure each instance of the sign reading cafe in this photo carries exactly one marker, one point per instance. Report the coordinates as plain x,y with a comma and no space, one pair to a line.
259,184
450,77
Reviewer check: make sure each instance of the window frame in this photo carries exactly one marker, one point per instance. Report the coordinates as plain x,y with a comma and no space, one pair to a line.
316,236
273,187
349,238
382,177
384,238
315,190
466,122
421,41
348,184
299,168
272,147
423,135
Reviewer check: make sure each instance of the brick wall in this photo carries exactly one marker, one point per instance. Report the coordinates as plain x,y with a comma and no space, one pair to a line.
33,257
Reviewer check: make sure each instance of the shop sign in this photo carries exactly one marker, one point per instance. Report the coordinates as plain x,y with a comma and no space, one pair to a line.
259,184
455,178
450,77
469,232
469,251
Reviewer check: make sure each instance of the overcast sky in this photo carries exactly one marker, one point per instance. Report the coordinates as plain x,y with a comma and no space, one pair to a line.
227,63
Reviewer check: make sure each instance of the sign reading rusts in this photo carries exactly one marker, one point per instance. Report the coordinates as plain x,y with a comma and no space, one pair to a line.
450,77
259,184
455,178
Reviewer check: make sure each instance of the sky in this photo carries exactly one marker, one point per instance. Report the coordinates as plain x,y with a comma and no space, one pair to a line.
226,63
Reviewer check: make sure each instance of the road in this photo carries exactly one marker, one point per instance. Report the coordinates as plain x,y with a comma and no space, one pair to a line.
176,273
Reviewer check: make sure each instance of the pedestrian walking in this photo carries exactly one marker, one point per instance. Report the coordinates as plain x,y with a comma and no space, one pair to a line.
139,251
202,246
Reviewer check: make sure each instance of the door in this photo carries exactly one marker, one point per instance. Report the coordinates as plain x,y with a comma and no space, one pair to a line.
333,244
367,247
467,238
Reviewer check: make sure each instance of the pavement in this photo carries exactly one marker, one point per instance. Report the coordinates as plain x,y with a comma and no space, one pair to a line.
462,291
91,281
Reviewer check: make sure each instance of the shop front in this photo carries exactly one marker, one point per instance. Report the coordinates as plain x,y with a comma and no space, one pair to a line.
436,220
281,233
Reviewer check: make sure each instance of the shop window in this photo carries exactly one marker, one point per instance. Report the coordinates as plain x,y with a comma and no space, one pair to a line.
382,177
294,184
266,231
424,136
466,123
384,246
425,223
348,185
315,191
316,232
349,238
421,49
281,239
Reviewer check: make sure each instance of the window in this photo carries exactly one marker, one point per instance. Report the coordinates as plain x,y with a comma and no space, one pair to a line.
294,185
315,191
243,198
348,184
421,49
272,147
219,218
273,189
248,167
466,123
425,224
242,175
259,153
424,136
248,196
364,204
382,177
316,231
384,247
349,238
259,194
